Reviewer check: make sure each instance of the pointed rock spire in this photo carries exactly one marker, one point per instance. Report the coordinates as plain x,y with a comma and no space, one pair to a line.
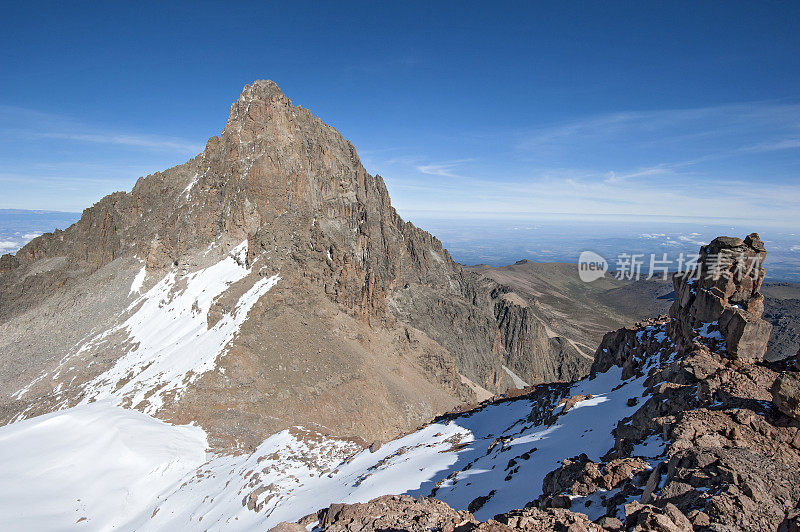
720,299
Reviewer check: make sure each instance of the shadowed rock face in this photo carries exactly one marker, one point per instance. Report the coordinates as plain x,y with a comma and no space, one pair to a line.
532,351
722,295
786,390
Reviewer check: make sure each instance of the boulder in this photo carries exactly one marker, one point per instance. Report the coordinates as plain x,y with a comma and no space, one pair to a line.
393,512
646,517
746,336
786,394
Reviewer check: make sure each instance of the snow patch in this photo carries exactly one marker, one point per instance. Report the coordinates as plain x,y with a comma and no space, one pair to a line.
93,466
518,382
190,186
291,475
138,281
456,459
171,340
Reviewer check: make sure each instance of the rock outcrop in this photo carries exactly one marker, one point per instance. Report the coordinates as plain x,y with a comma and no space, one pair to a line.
402,512
731,459
786,390
721,297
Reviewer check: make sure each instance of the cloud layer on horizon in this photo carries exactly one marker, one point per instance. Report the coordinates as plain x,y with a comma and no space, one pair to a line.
729,162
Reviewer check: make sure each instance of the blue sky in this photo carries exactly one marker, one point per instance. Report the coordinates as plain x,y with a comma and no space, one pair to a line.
673,110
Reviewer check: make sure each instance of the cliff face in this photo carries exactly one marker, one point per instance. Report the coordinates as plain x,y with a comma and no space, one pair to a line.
532,350
285,181
294,191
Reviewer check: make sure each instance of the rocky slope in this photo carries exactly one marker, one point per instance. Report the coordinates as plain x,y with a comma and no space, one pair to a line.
702,433
553,321
267,297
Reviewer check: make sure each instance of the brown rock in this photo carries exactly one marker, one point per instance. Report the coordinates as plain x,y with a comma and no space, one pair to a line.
645,517
699,519
786,394
552,519
576,476
295,189
572,401
610,523
620,470
288,527
395,512
722,294
746,336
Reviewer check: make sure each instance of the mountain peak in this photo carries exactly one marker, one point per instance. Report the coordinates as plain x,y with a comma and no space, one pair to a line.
261,89
290,194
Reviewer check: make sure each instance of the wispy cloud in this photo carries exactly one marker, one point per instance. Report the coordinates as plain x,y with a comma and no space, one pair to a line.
733,127
445,169
586,195
33,124
750,115
138,141
682,164
57,162
785,144
662,169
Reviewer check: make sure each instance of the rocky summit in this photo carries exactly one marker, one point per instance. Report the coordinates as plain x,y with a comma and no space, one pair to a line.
255,339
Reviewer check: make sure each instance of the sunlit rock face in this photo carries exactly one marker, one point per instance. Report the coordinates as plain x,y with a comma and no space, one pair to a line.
721,297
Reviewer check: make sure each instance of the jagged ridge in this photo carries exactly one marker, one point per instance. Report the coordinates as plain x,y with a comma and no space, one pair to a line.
294,189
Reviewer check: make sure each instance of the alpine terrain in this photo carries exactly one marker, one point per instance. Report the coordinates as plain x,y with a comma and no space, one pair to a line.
255,339
265,283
